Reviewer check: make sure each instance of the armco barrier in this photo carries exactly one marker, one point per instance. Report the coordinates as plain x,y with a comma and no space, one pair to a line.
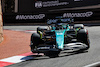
1,24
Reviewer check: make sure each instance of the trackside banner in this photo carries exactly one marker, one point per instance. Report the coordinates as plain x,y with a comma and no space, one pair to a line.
40,10
65,15
46,6
78,15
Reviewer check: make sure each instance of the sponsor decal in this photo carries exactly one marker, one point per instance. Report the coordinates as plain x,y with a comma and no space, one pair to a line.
59,33
49,21
40,4
25,17
78,0
85,14
43,48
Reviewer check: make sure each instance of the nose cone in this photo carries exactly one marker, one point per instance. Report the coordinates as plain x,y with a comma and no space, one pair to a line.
60,38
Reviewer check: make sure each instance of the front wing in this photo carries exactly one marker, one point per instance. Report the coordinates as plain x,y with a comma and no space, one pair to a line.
70,46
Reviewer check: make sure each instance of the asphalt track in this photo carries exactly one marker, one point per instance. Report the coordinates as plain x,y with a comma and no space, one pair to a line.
65,59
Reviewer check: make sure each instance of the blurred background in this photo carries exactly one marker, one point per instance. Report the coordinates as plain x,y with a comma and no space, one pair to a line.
38,11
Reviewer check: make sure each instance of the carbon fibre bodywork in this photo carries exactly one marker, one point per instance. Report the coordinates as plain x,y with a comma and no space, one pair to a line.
60,36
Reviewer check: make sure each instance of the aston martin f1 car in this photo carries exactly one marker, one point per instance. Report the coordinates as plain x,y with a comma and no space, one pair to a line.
60,35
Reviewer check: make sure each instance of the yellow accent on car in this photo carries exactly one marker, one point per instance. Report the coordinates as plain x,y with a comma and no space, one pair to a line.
40,34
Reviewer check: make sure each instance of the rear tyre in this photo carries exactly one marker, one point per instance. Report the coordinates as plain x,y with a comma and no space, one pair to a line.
83,37
81,26
41,29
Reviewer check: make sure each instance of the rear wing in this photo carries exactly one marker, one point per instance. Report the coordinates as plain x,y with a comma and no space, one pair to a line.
63,20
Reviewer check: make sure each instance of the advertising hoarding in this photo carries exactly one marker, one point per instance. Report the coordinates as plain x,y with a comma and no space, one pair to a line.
40,10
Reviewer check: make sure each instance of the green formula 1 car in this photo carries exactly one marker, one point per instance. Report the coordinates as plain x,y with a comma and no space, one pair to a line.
58,36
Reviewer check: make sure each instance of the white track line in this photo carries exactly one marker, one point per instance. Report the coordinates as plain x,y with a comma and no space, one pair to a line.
14,59
17,59
30,31
93,64
27,31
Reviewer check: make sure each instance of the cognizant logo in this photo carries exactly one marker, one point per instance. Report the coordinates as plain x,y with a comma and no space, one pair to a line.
25,17
85,14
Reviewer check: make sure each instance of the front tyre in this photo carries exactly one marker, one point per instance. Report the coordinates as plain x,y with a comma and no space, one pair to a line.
35,41
82,36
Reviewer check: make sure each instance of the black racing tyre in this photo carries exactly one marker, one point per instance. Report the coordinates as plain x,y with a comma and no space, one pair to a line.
78,26
52,54
41,29
35,40
82,36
